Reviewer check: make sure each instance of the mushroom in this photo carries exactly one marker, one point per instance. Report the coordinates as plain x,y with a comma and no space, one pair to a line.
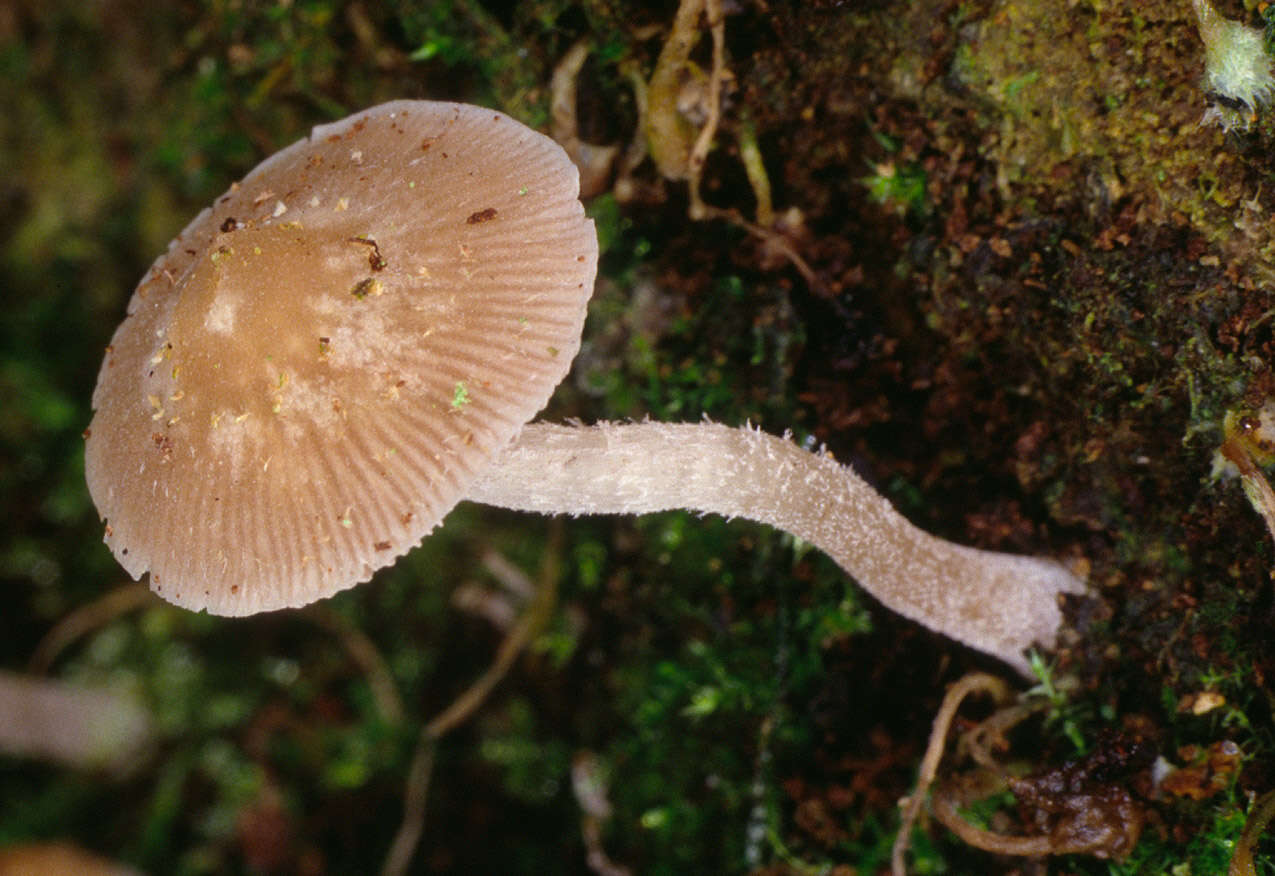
349,341
311,375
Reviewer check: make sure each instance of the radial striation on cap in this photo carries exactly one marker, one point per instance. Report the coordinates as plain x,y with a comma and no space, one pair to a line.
310,377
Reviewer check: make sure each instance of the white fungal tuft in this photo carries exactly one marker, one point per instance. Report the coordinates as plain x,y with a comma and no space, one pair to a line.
1237,69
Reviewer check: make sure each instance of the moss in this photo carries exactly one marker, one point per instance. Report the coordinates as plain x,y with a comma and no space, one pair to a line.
1119,94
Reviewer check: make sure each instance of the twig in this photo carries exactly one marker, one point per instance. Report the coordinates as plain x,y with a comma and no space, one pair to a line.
769,236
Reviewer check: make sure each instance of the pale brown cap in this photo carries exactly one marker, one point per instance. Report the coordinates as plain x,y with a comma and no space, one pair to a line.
310,377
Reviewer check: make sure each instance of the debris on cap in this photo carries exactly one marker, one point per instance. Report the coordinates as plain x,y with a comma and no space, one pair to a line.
310,377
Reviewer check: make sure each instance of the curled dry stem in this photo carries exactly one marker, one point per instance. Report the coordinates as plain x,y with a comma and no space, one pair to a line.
1256,487
594,161
704,140
1106,827
1077,808
86,619
982,738
678,151
1020,846
975,682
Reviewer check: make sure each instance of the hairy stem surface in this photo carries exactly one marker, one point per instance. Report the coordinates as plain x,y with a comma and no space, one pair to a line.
998,603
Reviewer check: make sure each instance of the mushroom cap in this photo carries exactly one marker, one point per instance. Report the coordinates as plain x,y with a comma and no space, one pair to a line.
310,377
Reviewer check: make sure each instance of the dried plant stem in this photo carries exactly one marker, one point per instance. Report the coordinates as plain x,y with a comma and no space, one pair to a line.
364,653
593,160
1258,818
415,794
416,791
998,603
529,625
704,140
669,135
679,151
1020,846
975,682
1256,487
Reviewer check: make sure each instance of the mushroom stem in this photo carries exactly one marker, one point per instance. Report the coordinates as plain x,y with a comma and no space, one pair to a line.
998,603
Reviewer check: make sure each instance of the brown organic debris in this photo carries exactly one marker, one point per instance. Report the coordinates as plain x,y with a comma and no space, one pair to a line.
1082,807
